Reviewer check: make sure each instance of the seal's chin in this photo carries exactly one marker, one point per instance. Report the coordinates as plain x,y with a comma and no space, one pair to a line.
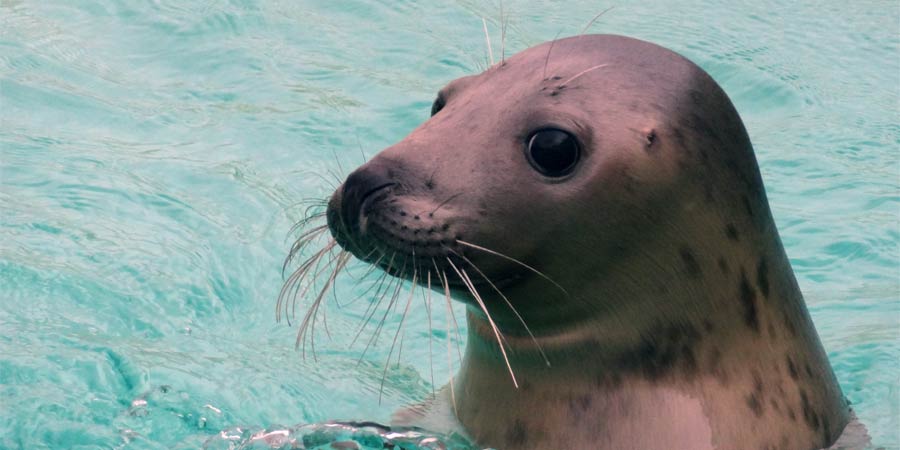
419,270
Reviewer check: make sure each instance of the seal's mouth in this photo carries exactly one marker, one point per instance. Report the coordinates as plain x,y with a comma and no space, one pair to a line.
446,273
376,229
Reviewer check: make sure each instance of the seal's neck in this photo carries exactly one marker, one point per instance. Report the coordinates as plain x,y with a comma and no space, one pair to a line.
727,352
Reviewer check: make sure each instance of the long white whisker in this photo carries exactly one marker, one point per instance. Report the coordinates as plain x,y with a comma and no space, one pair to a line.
430,331
468,282
379,294
387,311
511,259
589,69
308,327
508,303
449,351
316,273
294,283
487,39
399,329
446,283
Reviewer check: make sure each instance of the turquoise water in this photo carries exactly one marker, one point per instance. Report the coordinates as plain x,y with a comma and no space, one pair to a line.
154,154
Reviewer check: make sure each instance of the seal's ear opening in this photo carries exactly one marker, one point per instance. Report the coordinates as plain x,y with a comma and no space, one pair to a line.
553,152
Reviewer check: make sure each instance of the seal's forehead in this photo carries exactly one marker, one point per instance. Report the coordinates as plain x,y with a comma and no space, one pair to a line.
628,56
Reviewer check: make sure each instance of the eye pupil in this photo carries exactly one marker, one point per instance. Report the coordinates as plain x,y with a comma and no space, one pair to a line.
553,152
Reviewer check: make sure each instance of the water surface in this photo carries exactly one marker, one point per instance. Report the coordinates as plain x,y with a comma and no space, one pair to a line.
153,154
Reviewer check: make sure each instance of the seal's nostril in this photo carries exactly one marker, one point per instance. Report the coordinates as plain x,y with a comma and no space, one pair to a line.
357,192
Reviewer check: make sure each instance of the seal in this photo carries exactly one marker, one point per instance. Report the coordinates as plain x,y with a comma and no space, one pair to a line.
597,204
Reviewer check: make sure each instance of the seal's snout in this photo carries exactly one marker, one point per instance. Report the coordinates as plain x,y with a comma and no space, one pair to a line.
348,208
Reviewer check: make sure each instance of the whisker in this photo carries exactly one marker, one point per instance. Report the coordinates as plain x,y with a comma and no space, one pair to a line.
327,182
430,331
449,352
371,284
307,218
337,177
468,282
308,327
444,202
412,290
338,161
589,69
380,326
487,39
595,19
511,259
359,144
547,59
317,270
508,303
502,35
300,244
380,296
295,280
446,283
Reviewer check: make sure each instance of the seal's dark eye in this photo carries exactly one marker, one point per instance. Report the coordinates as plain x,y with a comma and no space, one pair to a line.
438,104
553,152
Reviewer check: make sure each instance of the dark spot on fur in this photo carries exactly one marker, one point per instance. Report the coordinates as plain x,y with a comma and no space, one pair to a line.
579,405
556,78
554,93
754,404
792,368
732,232
723,265
517,434
775,405
755,398
666,349
791,414
690,262
708,325
808,369
429,184
812,419
748,301
762,277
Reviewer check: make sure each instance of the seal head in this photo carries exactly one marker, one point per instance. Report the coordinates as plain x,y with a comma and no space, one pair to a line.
596,202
